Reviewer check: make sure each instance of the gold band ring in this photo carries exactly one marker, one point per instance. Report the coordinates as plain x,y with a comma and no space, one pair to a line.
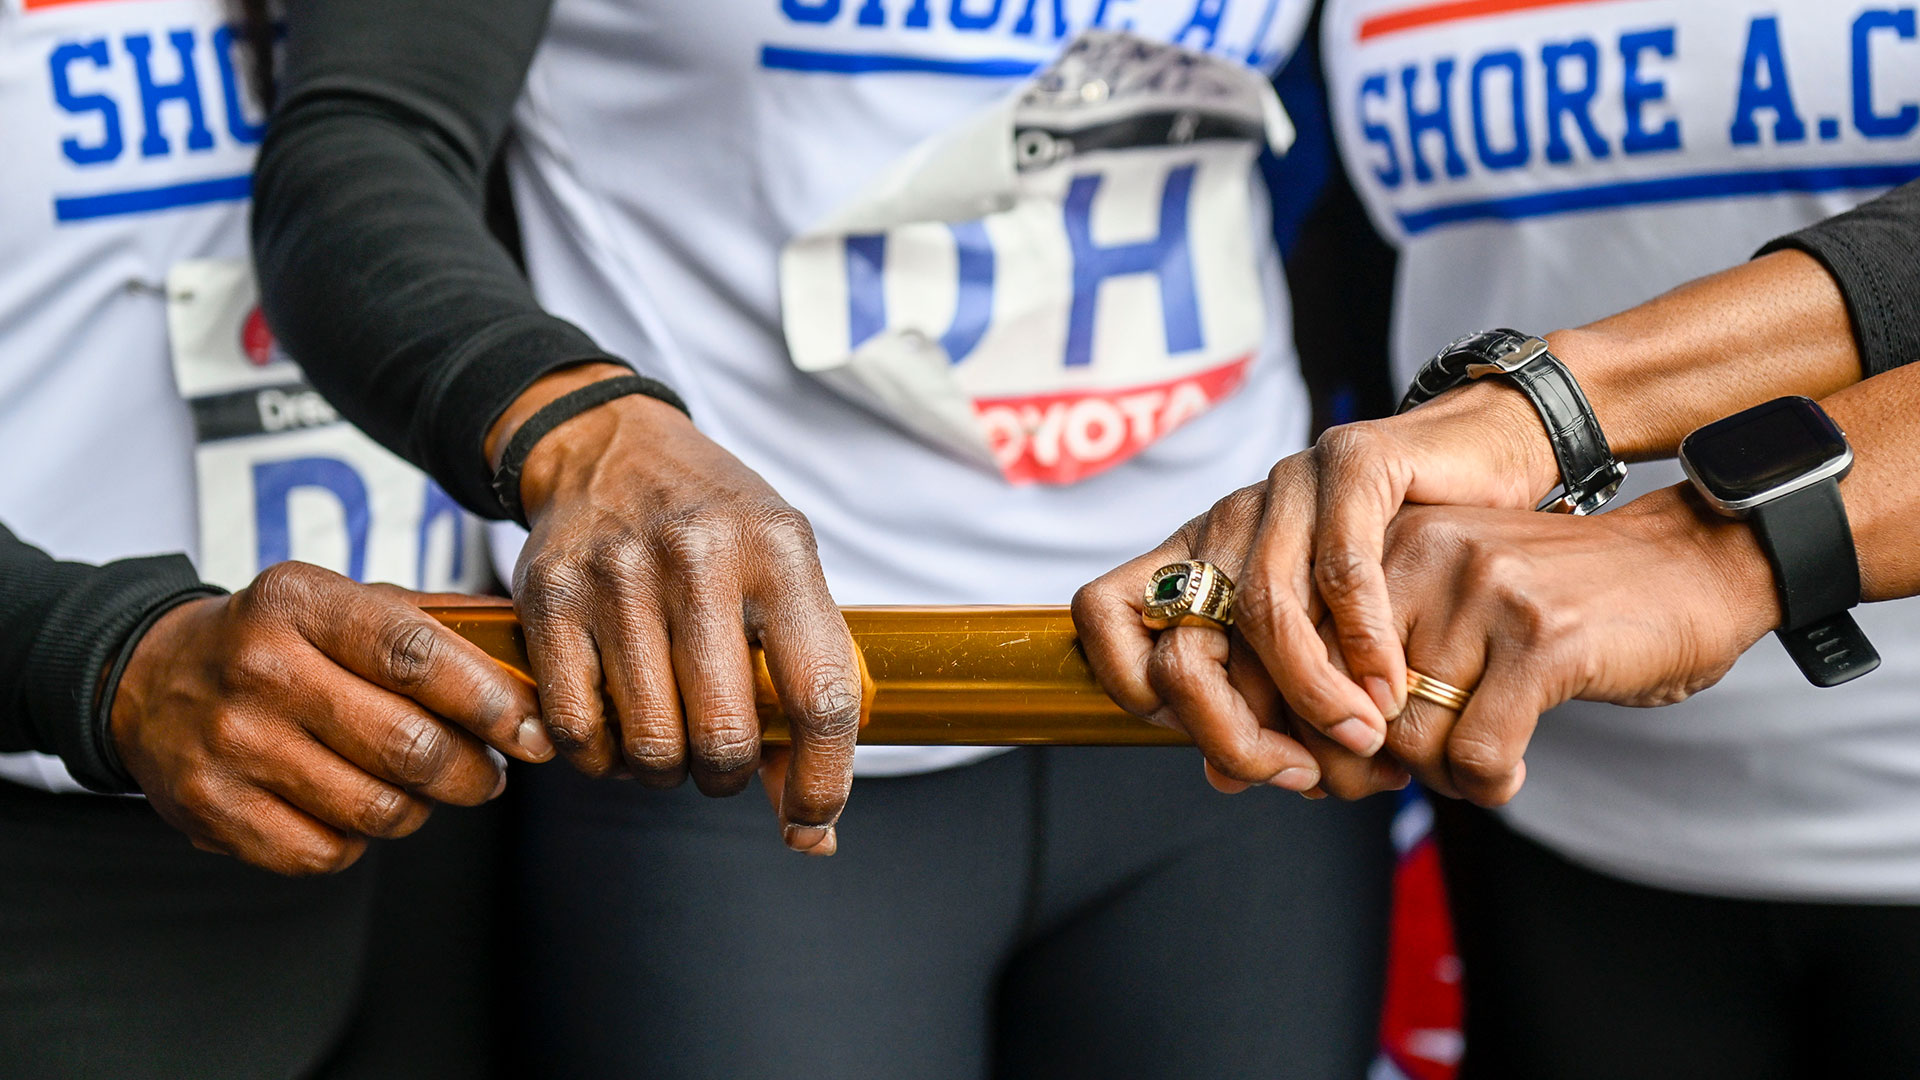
1445,695
1191,593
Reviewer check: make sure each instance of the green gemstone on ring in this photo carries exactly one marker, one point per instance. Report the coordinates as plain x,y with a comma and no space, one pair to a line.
1171,588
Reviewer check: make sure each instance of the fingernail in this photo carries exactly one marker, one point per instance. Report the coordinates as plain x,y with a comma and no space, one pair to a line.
1313,794
1357,735
500,764
1382,694
826,847
1296,779
806,837
532,737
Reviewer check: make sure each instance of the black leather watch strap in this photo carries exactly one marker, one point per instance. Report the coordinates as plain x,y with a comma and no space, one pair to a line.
1810,546
1590,475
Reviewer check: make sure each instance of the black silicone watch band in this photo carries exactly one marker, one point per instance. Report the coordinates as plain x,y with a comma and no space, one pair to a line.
1590,475
1810,546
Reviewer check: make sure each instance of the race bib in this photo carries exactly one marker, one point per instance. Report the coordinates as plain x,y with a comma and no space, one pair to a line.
1061,281
281,475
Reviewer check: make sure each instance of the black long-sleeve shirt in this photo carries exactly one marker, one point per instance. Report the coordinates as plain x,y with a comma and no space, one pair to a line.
1873,251
63,626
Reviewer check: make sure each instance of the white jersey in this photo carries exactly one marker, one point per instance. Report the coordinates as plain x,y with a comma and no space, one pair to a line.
1542,163
1023,393
130,135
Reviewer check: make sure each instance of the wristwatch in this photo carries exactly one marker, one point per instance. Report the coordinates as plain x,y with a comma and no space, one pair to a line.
1778,466
1590,475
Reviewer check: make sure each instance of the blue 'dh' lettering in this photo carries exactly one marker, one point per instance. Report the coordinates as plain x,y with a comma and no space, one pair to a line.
1438,120
1388,171
1637,92
439,505
973,299
1166,256
1516,155
273,484
1869,121
866,287
185,89
112,142
973,292
1575,102
1763,51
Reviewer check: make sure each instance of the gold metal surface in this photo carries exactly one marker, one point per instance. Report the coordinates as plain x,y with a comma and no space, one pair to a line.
1444,694
940,676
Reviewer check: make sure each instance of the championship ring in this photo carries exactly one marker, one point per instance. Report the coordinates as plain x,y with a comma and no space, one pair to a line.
1191,593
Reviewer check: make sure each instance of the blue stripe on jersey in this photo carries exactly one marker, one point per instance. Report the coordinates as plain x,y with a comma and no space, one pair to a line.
1716,185
148,200
782,58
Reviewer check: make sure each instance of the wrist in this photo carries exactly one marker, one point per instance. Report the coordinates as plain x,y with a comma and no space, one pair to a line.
1511,441
1725,552
156,651
567,457
543,392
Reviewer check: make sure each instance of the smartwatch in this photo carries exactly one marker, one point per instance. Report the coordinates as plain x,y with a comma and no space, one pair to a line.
1590,475
1777,467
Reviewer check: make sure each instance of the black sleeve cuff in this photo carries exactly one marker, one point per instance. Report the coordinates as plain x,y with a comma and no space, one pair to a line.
1873,253
91,629
469,394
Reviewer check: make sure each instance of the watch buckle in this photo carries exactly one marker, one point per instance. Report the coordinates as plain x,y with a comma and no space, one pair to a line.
1590,497
1507,359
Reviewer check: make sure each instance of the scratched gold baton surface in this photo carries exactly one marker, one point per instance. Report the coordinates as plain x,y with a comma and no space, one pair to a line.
937,676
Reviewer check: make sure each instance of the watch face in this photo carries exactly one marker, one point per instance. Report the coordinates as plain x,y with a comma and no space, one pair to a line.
1750,454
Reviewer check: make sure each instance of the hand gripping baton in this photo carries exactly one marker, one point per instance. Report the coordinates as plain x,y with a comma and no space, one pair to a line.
936,676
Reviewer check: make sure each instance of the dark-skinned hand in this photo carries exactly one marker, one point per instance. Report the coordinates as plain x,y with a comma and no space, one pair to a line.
655,559
293,721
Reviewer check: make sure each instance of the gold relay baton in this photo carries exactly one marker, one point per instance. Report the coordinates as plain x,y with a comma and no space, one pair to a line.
936,676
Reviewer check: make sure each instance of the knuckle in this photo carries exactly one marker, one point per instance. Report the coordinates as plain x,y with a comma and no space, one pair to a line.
319,857
382,812
282,582
419,752
1235,753
1257,601
409,654
546,588
569,730
1347,444
656,754
733,749
831,705
1476,759
1341,575
784,525
693,537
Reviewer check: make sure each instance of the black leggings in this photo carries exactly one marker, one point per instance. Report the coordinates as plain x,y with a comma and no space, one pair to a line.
1575,974
126,953
1048,913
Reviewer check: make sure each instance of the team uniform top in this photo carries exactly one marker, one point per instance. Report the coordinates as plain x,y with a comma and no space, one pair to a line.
1540,165
130,142
140,392
665,153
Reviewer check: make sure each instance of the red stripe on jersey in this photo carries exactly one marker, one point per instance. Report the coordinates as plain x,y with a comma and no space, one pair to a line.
34,4
1448,11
